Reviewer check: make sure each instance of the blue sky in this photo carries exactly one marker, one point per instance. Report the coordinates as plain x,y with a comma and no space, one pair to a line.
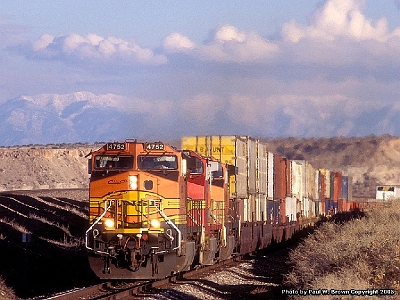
300,68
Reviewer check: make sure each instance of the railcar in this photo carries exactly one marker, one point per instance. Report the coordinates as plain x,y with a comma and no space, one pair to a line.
156,210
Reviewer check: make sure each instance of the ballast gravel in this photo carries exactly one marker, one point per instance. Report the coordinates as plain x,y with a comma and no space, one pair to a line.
259,278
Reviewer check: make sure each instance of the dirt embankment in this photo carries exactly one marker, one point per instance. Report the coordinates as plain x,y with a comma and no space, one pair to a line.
44,167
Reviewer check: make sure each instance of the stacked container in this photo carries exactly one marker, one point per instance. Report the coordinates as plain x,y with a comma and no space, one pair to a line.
261,182
241,152
282,187
308,188
297,185
272,205
323,190
347,196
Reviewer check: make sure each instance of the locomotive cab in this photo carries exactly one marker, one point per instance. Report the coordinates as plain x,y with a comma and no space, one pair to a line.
137,211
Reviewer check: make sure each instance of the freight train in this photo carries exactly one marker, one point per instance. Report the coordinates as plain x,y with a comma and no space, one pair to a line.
156,210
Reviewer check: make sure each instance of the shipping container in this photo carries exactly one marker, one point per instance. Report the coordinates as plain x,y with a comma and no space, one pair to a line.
321,184
261,208
231,150
316,190
281,185
309,189
270,175
312,207
291,208
331,207
350,188
342,205
252,149
273,207
296,180
321,207
327,182
280,178
261,168
261,181
347,188
322,210
297,185
246,210
336,185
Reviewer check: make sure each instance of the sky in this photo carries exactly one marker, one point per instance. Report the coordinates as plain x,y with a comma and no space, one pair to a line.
304,68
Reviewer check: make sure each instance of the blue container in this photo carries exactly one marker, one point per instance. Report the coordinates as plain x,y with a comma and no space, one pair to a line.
330,206
345,187
273,208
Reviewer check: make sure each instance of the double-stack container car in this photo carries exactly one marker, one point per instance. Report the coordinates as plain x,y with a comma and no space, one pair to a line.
156,210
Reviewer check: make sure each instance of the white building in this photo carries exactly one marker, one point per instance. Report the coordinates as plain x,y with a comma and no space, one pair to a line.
387,192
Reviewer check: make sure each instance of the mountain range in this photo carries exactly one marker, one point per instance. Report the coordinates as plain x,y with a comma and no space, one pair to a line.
84,117
52,118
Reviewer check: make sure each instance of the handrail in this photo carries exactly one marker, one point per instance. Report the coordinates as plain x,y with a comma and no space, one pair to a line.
97,221
170,223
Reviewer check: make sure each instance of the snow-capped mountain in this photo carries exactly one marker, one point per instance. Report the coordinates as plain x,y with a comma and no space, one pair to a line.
52,118
86,117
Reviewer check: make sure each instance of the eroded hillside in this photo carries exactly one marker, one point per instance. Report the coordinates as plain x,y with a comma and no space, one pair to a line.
44,167
370,160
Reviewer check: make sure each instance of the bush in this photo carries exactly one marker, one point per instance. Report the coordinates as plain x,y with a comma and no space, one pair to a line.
6,293
360,254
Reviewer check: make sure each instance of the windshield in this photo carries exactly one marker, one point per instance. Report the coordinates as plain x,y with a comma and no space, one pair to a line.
164,162
113,162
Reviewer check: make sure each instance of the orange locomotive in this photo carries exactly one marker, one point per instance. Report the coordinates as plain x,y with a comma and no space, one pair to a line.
144,223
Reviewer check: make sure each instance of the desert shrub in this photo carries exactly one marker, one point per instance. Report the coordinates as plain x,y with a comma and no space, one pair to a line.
360,254
6,293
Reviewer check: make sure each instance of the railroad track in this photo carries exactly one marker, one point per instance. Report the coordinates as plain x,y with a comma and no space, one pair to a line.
112,291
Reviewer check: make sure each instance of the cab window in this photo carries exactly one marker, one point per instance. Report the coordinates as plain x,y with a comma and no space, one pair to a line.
163,162
195,165
108,162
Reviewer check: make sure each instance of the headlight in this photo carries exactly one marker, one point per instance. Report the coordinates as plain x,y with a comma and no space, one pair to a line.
133,182
109,223
155,223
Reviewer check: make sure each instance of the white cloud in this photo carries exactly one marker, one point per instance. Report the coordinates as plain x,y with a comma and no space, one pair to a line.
42,43
229,33
228,45
93,48
176,42
340,35
231,45
338,18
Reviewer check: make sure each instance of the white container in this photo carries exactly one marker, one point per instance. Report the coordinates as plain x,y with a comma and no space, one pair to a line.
270,175
261,168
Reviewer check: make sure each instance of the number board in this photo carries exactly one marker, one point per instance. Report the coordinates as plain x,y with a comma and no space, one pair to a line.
116,146
154,146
